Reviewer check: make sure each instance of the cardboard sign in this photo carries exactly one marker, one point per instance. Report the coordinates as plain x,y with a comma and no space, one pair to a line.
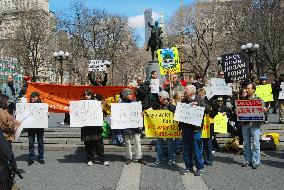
281,94
220,123
155,86
168,60
86,113
161,124
250,110
38,112
126,115
264,92
190,114
98,65
235,67
218,87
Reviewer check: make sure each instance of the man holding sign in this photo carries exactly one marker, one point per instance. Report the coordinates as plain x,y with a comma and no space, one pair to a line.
251,134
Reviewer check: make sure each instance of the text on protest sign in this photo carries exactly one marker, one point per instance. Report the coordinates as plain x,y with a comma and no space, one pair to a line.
220,123
126,115
281,94
235,67
205,133
218,87
250,110
161,124
190,114
98,65
155,86
38,111
264,92
86,113
168,60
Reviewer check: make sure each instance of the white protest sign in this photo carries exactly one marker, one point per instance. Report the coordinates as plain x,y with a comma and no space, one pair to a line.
86,113
98,65
126,115
281,94
155,86
189,114
39,112
218,86
25,124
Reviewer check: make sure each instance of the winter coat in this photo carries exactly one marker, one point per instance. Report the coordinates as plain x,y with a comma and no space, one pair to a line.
148,99
103,83
8,92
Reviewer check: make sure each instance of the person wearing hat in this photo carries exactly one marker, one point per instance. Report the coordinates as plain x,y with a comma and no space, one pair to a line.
281,102
132,133
39,133
263,81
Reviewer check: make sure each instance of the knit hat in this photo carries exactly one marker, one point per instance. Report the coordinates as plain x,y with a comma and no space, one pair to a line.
263,77
34,94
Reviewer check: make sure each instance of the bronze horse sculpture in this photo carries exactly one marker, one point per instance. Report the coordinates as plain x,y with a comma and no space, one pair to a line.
155,41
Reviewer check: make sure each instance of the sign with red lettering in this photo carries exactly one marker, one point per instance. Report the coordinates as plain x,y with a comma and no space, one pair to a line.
250,110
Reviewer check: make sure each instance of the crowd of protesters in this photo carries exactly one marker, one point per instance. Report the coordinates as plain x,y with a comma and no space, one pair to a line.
196,152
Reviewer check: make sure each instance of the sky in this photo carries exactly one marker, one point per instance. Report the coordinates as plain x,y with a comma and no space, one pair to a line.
133,9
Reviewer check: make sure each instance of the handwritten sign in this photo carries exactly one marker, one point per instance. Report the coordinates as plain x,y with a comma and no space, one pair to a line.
168,60
218,87
264,92
155,86
235,67
38,111
281,94
205,133
189,114
161,124
126,115
86,113
25,124
98,65
220,123
250,110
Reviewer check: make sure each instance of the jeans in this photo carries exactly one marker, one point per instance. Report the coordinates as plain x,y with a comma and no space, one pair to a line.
251,144
207,151
137,145
160,149
192,148
39,133
117,137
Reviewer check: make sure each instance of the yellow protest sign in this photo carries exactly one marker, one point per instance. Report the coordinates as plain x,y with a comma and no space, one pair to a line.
168,60
264,92
220,123
205,134
160,124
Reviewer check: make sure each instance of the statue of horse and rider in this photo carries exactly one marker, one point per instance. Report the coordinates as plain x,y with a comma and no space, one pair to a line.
155,41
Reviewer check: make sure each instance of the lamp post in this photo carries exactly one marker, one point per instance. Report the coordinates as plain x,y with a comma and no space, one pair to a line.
250,49
60,56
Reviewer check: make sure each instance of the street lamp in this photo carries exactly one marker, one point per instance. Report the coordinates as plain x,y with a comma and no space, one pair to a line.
250,49
60,56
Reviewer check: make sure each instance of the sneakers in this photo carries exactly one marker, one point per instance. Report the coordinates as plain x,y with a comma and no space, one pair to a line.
105,163
246,164
199,172
30,162
255,166
90,163
142,162
158,162
171,162
128,161
41,161
186,171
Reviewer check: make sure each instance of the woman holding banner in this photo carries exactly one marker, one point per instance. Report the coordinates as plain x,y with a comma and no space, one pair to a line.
91,135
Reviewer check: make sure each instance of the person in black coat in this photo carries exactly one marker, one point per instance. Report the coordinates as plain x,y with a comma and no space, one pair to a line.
91,135
98,81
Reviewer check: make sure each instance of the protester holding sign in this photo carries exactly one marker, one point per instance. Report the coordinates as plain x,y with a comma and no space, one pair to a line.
91,135
98,81
191,137
131,133
39,132
165,104
262,81
251,134
281,101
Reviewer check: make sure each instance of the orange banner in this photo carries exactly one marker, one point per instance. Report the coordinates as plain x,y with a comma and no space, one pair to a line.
57,96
